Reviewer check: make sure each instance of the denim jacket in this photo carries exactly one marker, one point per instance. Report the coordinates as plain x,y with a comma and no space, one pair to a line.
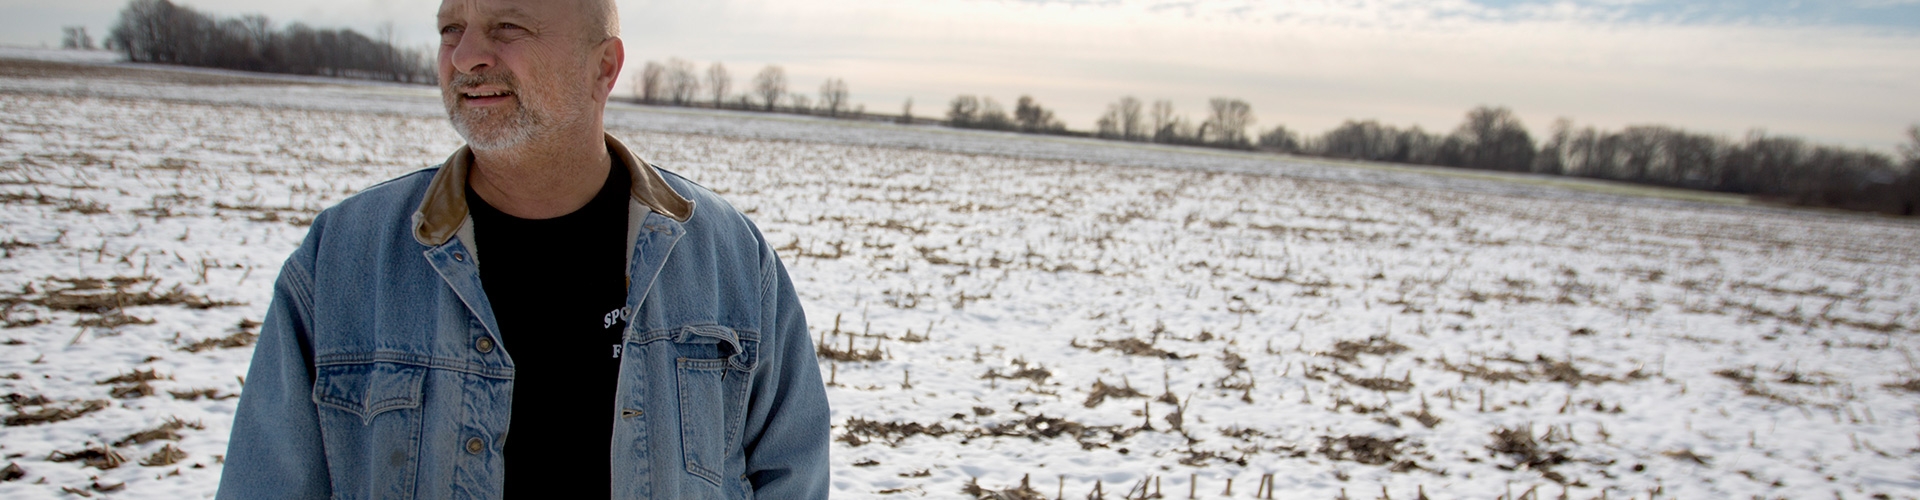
380,374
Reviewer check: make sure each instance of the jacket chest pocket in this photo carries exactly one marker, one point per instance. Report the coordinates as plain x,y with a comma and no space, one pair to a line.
711,371
370,421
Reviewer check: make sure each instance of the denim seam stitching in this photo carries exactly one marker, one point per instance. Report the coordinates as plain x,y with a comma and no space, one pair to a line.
685,366
415,360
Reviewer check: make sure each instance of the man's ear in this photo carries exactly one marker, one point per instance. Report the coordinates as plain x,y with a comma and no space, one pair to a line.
610,57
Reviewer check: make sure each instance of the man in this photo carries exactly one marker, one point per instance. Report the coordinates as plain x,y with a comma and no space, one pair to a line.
544,314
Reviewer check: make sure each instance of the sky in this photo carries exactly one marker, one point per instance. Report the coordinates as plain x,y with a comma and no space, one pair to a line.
1837,71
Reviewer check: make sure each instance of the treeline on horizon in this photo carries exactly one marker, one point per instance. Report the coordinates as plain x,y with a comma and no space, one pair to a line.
1780,169
678,82
159,31
1773,168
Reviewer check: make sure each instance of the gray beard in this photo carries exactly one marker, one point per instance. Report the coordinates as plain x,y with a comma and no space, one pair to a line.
491,130
519,126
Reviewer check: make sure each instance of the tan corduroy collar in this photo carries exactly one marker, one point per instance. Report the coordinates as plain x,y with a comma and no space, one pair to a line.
444,209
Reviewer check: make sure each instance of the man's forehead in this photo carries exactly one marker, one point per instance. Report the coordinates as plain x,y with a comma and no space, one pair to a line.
495,8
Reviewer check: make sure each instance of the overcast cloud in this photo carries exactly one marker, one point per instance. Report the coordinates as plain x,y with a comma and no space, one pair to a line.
1841,71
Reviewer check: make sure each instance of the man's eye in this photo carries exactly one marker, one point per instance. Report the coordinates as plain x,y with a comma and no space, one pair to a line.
449,29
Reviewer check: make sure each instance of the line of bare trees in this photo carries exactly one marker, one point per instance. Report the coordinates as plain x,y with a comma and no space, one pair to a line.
1778,168
1225,126
678,83
160,31
75,38
967,111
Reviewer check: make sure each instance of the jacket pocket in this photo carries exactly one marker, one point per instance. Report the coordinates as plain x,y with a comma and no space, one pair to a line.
712,371
366,390
370,423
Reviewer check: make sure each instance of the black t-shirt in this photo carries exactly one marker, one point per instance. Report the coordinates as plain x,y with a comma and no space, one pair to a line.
555,286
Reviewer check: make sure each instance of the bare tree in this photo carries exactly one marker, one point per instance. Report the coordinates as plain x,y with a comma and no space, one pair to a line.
1370,140
1107,126
1494,139
1553,155
906,112
1359,140
833,96
652,85
1911,150
1227,125
770,84
683,86
1163,119
800,103
1132,127
1280,139
992,116
719,83
75,37
160,31
1032,118
963,111
144,30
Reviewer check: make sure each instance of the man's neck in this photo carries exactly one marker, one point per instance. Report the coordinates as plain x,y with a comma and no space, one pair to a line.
544,182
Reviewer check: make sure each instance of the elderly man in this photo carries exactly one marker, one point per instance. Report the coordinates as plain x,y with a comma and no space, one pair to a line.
545,314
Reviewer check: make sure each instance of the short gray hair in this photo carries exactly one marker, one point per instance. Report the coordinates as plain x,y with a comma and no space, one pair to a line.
603,20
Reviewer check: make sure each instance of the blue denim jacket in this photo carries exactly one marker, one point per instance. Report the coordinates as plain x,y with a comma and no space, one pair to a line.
380,374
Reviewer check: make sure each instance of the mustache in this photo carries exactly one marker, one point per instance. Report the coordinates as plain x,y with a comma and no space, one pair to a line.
469,80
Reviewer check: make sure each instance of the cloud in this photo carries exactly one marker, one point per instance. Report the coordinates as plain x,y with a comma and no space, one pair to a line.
1843,70
1313,63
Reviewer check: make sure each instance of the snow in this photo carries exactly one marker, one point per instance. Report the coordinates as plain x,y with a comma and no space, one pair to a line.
18,52
988,281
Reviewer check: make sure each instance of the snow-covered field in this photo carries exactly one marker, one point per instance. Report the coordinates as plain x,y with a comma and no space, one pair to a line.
995,309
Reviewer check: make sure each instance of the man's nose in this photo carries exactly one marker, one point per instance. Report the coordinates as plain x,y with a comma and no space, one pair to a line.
473,53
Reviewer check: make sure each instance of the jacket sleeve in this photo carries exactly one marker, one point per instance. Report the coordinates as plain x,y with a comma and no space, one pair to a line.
275,450
788,421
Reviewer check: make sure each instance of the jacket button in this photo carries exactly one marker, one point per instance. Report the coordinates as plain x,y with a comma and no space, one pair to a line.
474,445
460,256
485,345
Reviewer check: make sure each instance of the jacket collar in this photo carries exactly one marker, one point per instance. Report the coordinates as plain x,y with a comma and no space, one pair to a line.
444,209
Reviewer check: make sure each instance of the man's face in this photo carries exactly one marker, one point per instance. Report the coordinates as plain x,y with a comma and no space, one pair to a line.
514,70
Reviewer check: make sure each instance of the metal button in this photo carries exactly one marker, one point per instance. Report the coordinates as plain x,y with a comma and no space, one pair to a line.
460,256
630,413
485,345
474,445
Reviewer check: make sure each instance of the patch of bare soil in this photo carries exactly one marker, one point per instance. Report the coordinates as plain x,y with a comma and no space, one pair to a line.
48,413
1129,346
168,455
1101,391
89,295
241,338
1519,444
1541,368
98,456
1350,350
1022,370
1367,450
1023,492
168,431
860,431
